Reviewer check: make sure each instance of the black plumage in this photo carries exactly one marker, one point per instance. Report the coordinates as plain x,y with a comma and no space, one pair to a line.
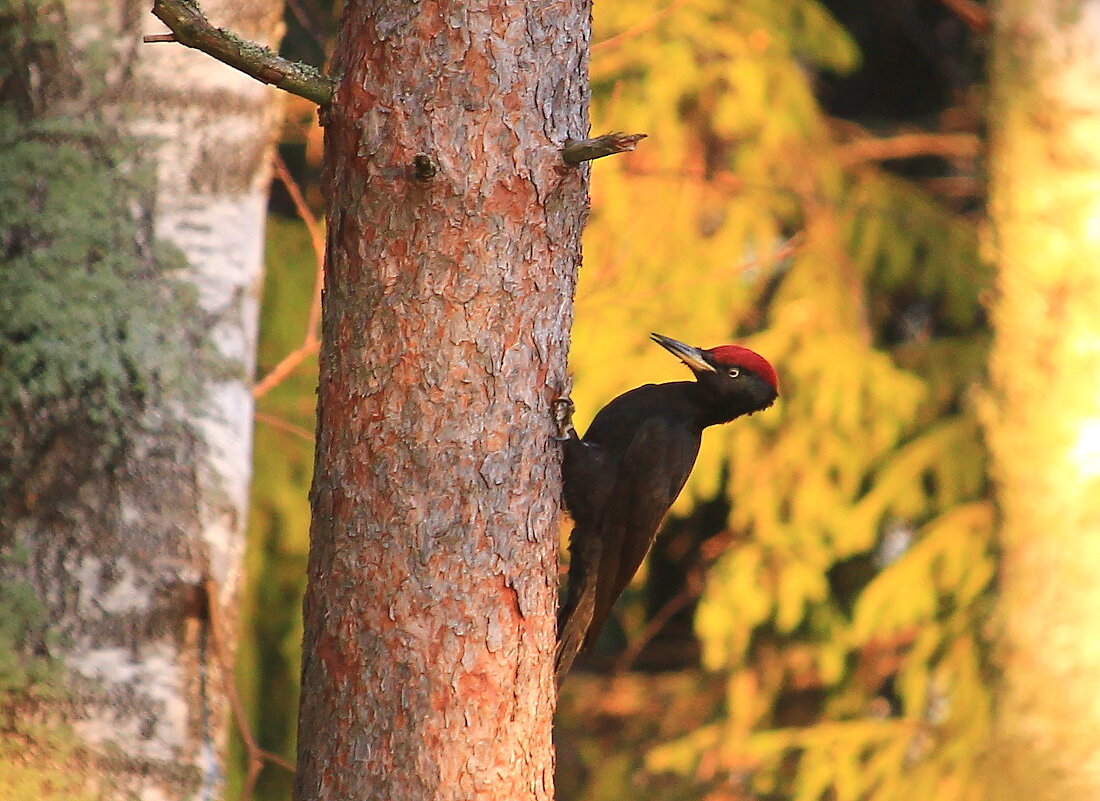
622,477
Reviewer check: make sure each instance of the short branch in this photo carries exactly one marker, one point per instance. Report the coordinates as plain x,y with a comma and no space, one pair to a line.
576,152
974,15
312,340
192,29
910,145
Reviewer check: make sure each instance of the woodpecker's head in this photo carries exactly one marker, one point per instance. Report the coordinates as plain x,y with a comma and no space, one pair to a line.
736,379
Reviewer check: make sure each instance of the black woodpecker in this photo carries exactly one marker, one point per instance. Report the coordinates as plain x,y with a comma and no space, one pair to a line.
621,478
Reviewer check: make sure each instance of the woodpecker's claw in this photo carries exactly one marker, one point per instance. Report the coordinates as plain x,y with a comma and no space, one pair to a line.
562,411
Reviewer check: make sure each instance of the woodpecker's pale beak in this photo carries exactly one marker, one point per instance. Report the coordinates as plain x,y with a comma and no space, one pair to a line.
692,357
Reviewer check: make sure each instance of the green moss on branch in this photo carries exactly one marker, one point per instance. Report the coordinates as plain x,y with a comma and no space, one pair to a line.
191,28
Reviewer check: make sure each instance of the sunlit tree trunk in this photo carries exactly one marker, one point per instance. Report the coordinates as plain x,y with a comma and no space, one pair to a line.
454,236
119,521
1045,428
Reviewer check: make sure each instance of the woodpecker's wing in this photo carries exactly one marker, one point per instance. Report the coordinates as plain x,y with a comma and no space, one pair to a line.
654,469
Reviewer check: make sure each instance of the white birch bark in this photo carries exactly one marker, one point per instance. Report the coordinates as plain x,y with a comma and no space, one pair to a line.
121,559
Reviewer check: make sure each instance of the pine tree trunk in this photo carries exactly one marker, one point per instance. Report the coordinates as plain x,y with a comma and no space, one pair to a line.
1045,429
125,455
454,240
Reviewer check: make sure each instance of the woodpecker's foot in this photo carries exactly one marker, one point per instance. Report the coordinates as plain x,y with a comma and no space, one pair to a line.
562,411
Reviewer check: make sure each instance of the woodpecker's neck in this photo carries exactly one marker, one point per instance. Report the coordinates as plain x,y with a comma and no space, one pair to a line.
696,406
711,407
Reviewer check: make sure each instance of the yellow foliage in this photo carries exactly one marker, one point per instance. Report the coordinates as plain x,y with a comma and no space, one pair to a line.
735,221
950,557
873,433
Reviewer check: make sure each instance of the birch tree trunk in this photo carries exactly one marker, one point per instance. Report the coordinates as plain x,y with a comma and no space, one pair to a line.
1045,433
126,463
454,240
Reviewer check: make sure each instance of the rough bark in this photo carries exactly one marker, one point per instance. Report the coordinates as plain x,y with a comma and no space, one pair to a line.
1045,428
454,231
118,522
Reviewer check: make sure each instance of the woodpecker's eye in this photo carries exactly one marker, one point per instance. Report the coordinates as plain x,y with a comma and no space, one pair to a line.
733,372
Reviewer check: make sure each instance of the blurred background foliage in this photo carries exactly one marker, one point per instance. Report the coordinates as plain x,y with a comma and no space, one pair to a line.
808,626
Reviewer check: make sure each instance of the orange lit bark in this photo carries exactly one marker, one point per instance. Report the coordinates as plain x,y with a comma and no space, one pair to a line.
454,239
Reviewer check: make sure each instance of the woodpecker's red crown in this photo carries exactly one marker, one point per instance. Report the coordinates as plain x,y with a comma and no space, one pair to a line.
737,356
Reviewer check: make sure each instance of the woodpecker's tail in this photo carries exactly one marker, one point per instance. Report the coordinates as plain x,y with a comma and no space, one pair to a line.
575,616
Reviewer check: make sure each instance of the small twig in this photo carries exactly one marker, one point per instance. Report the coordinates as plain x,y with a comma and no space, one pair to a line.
656,623
953,186
255,755
312,340
280,424
307,23
578,151
909,145
643,26
152,38
693,589
316,238
192,29
975,16
285,367
786,249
